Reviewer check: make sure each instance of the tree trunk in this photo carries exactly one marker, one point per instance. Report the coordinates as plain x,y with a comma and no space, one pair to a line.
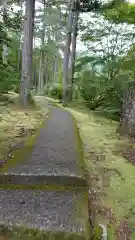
45,73
26,73
19,55
73,55
55,77
67,54
5,48
20,43
57,39
41,67
55,73
41,71
127,122
34,69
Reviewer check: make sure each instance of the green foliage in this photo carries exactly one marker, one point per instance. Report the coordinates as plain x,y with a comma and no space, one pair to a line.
103,94
104,75
8,78
124,13
90,89
10,24
54,91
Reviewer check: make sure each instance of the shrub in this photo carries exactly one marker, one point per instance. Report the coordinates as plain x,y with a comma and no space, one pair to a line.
55,91
104,94
8,79
91,90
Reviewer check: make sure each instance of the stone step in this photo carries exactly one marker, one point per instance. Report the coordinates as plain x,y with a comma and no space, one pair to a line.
47,210
35,179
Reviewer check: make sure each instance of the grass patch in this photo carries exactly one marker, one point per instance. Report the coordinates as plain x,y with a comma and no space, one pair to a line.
111,176
17,124
18,233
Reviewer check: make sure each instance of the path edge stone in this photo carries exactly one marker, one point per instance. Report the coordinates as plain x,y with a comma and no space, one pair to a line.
31,233
80,150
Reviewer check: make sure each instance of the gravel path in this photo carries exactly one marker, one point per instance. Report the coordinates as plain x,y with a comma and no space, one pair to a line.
54,154
49,210
55,150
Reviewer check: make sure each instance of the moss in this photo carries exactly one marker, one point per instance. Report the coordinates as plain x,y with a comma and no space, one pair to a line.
80,150
16,123
111,232
112,176
22,154
19,233
81,213
97,233
55,102
41,187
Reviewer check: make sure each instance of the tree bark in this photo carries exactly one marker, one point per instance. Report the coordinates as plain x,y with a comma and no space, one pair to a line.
5,48
127,122
34,69
41,71
73,55
26,73
41,67
55,76
57,39
20,43
67,54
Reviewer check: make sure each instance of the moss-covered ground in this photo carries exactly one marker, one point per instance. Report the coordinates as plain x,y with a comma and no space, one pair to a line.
18,233
18,128
111,176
